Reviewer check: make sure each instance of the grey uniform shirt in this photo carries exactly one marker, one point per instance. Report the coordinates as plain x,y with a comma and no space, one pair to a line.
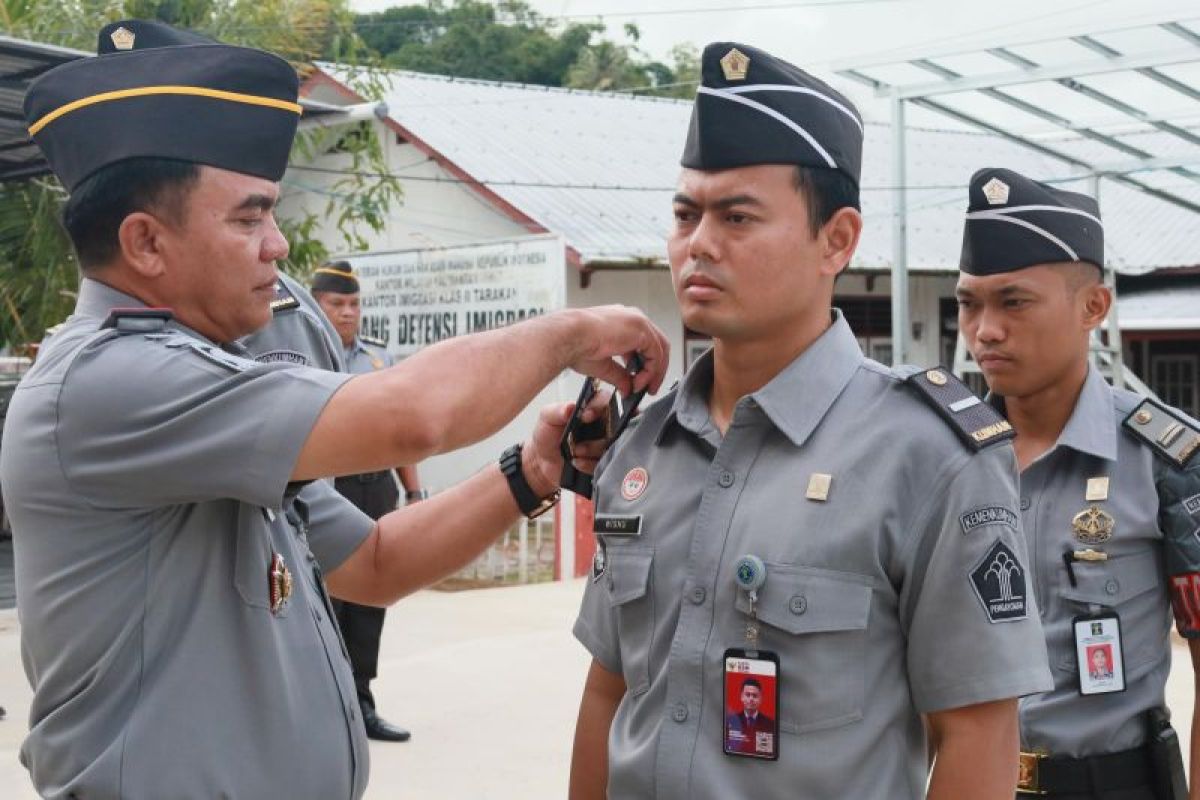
869,602
146,475
362,357
1132,581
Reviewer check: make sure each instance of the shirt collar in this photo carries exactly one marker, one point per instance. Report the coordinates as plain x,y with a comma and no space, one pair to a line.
1090,428
795,400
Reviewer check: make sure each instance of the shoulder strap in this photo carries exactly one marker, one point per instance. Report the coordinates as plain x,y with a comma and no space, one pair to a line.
371,340
975,422
137,320
1172,435
284,299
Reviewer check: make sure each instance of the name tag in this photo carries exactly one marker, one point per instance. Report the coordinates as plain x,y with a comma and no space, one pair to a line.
618,525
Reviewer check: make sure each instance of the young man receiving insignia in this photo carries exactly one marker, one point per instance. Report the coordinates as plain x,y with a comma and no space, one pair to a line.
335,288
171,580
805,514
1105,478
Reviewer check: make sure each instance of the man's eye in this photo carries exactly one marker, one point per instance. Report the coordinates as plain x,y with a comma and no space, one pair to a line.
737,218
684,216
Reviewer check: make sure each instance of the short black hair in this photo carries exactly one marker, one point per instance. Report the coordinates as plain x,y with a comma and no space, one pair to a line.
752,682
825,191
95,210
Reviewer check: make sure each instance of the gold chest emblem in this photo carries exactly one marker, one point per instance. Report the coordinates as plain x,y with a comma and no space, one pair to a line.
1093,525
279,583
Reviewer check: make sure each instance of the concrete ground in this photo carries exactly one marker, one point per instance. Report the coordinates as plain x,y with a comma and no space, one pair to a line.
487,680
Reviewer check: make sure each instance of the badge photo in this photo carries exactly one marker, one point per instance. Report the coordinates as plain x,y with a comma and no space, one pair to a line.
1099,655
750,727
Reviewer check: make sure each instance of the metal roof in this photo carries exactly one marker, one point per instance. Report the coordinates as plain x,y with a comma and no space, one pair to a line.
1163,309
20,62
600,168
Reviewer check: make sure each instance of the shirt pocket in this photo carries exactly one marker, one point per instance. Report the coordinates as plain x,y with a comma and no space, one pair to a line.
1124,585
633,603
252,559
815,620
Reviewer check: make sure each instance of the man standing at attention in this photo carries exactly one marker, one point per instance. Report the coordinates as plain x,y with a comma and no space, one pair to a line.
793,509
1110,496
336,290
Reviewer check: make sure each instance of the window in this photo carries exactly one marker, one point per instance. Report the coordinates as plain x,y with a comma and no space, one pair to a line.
1176,380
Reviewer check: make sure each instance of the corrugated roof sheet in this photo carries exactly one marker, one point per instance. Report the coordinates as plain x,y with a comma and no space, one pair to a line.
20,62
1162,309
599,169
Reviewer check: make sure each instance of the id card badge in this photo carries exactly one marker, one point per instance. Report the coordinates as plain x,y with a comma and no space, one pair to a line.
1099,654
750,728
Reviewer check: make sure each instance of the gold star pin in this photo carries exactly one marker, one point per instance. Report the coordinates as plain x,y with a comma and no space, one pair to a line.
735,64
996,192
123,38
818,486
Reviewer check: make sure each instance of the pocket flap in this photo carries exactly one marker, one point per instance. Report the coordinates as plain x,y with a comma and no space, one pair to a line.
811,600
1112,582
629,573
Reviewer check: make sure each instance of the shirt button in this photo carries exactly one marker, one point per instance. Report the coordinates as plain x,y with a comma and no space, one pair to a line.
798,604
698,594
680,712
1112,587
726,479
1025,503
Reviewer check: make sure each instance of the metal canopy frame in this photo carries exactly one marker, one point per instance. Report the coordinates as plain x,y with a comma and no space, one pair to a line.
1096,58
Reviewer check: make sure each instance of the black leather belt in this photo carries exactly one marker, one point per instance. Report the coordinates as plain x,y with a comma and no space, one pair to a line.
371,477
1051,775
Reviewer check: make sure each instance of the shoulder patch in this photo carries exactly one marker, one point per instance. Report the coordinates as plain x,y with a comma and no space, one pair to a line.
284,299
283,357
999,583
1169,433
137,320
371,340
975,422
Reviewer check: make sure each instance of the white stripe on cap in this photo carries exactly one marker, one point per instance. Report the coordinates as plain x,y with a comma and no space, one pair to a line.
1054,209
782,87
770,112
1001,217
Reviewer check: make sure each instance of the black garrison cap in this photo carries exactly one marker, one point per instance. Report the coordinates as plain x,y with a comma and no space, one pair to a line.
163,93
337,277
752,108
1014,222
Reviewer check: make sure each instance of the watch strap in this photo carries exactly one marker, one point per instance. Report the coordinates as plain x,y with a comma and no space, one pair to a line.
530,504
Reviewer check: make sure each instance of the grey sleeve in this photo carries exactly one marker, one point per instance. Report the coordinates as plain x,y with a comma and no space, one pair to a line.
973,628
596,624
146,423
336,527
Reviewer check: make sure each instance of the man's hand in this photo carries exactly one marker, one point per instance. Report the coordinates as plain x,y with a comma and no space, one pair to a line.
541,457
602,332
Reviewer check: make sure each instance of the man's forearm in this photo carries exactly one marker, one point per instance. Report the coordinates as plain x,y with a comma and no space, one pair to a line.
1194,760
602,694
976,752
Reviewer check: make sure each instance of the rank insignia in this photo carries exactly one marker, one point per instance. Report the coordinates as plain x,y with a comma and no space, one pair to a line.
1097,489
735,64
279,583
975,422
819,484
1169,433
999,583
123,38
284,299
1093,525
996,192
634,484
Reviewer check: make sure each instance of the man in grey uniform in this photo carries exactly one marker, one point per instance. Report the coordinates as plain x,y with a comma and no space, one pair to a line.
794,500
1106,482
335,290
175,626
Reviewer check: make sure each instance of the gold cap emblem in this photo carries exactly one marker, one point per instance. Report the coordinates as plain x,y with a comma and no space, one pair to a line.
936,377
1093,525
734,64
996,192
279,580
123,38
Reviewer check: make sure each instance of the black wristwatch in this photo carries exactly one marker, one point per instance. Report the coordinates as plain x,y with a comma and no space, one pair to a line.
530,504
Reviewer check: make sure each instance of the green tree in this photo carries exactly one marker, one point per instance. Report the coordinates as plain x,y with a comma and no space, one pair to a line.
38,273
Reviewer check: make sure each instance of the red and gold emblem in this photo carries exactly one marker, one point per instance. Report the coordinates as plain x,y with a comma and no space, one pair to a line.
279,583
634,483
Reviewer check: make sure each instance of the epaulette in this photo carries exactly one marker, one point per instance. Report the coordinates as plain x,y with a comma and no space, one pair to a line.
371,340
1170,434
975,422
284,299
138,320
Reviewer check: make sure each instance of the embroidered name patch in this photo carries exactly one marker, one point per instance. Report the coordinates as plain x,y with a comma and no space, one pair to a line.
617,525
991,515
999,583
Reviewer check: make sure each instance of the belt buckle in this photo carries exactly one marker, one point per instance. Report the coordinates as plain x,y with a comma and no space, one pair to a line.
1027,777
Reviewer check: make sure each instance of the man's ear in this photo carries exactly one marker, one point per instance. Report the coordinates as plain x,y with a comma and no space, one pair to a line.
141,240
1097,300
839,239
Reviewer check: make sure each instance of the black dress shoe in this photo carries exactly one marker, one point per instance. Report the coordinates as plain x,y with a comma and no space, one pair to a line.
382,730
